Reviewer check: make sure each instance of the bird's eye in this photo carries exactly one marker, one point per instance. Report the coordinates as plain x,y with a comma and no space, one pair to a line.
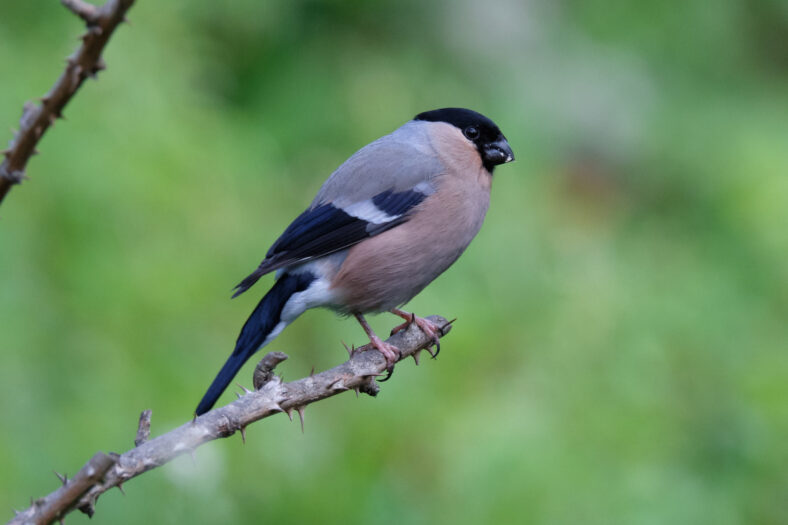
472,132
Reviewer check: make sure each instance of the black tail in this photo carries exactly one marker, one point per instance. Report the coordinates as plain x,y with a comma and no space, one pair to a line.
260,324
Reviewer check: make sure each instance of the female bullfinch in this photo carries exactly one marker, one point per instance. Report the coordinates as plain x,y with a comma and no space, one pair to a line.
383,226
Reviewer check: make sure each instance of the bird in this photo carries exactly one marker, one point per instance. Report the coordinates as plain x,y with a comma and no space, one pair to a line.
393,217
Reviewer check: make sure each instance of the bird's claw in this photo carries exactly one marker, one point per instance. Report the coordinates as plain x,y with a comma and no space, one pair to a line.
390,352
392,355
431,330
389,372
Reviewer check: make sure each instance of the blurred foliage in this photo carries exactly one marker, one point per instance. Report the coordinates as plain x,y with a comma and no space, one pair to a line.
621,350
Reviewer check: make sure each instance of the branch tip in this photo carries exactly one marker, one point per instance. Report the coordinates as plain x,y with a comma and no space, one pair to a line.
101,23
87,12
143,428
264,371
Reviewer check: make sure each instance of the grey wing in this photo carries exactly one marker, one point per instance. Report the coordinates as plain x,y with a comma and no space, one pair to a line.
401,161
373,191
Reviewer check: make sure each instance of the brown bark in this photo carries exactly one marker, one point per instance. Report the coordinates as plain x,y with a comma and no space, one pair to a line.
271,396
85,62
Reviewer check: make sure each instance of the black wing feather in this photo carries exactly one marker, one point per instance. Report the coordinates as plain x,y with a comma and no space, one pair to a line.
325,229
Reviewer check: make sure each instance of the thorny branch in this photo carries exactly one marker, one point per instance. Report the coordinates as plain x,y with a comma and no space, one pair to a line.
85,62
271,397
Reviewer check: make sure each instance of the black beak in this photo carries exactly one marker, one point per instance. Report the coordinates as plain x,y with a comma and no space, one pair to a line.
498,152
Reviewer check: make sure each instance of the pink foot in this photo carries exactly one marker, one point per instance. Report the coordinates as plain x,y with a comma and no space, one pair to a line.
400,327
390,352
425,325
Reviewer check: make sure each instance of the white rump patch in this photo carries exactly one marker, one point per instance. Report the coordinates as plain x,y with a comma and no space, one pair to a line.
274,333
317,294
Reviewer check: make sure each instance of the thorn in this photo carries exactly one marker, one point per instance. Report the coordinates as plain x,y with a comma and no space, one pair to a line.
432,354
289,412
246,390
120,487
349,351
36,151
415,356
52,118
301,416
62,477
312,373
448,323
191,455
100,65
194,419
356,390
243,434
238,395
126,21
277,408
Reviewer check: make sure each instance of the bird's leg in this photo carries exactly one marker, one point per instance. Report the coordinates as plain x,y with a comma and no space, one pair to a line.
428,327
390,352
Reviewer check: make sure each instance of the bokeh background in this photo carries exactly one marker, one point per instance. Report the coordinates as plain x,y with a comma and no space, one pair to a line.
621,353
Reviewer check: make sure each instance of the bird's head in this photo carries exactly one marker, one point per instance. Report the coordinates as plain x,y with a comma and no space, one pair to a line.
482,132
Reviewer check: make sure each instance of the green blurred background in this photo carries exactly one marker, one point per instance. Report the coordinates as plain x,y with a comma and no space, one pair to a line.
621,354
